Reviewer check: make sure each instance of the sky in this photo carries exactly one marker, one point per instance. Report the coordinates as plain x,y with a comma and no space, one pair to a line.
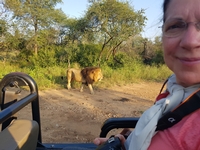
153,11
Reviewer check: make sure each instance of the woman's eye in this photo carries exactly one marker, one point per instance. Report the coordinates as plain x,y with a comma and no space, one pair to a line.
178,25
174,26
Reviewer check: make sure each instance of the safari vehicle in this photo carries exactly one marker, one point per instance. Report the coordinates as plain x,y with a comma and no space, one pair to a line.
26,134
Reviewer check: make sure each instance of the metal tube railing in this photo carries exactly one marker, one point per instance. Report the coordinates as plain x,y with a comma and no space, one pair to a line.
23,80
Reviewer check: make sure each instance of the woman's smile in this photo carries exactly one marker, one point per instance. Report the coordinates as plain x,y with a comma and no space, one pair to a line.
189,61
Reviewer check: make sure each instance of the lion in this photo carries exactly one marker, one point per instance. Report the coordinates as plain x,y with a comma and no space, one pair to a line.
87,76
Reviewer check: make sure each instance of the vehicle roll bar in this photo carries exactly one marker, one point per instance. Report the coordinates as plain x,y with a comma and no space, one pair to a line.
116,123
18,79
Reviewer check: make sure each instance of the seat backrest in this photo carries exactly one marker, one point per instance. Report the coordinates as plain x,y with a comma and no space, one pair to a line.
20,135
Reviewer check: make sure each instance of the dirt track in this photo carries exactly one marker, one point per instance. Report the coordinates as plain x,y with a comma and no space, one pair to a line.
72,116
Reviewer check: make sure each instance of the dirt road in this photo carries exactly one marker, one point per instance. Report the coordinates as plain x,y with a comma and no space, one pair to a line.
72,116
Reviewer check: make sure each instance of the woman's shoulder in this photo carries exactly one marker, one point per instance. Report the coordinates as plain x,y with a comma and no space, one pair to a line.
183,135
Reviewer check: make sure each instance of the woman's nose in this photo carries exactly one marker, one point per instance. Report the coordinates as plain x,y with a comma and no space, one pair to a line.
190,38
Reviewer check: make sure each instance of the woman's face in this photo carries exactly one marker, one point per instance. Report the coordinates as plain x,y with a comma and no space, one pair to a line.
182,51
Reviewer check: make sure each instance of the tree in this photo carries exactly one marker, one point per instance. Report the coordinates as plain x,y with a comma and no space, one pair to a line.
3,22
158,52
34,15
3,28
73,30
112,22
2,9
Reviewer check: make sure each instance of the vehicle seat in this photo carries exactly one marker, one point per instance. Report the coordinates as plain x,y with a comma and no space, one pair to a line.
20,135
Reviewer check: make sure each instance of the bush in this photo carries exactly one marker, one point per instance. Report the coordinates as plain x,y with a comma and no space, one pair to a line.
54,76
88,55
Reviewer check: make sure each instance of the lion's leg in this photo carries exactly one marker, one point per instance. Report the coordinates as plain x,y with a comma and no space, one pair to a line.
91,89
81,89
68,85
69,76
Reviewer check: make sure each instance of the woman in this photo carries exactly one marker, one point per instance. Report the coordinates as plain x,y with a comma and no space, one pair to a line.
181,45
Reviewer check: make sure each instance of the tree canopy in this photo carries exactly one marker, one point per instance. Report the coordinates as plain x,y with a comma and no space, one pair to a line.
35,15
109,32
113,22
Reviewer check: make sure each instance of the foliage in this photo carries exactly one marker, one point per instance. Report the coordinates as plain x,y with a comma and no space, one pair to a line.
54,76
42,41
73,31
67,55
158,52
88,55
119,61
3,27
35,16
113,22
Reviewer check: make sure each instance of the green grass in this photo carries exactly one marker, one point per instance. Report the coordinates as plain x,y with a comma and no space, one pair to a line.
51,77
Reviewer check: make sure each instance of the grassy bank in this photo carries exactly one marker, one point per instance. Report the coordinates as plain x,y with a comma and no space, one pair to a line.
52,77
